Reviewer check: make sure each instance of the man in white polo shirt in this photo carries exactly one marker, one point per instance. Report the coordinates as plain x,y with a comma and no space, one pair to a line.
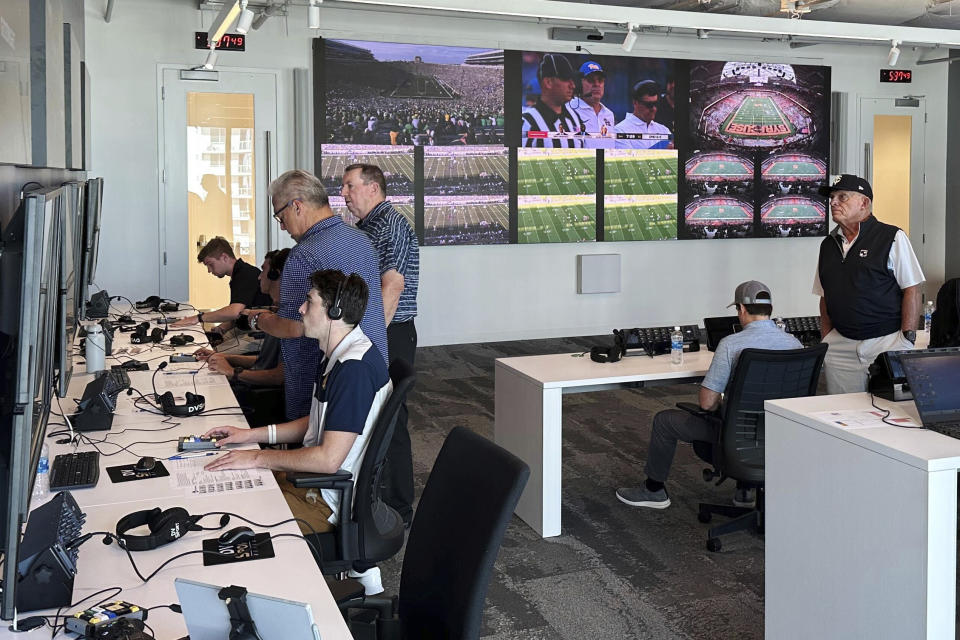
646,100
596,117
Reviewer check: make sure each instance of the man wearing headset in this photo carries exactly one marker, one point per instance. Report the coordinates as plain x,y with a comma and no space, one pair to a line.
596,117
646,100
350,388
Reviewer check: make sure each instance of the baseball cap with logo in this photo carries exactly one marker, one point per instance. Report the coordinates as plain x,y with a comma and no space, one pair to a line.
590,66
847,182
555,65
751,292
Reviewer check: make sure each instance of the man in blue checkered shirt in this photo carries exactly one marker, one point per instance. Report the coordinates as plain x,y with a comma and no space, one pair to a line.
364,191
301,206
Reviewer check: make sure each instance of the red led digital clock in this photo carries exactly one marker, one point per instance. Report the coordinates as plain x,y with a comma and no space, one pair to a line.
896,75
229,41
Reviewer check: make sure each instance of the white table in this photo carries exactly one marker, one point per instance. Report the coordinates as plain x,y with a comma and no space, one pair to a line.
528,422
860,525
292,574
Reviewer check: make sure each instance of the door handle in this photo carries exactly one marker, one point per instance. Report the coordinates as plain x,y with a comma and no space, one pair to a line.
867,163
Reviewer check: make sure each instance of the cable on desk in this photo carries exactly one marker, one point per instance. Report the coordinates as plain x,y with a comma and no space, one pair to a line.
886,414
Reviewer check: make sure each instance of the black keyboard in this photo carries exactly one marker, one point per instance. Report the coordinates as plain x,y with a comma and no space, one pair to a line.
117,381
951,429
75,470
805,328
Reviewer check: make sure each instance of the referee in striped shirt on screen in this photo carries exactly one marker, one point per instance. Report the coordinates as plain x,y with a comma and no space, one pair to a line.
551,113
364,191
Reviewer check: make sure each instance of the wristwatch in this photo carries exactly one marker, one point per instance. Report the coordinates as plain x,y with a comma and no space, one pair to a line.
236,374
200,317
253,321
910,335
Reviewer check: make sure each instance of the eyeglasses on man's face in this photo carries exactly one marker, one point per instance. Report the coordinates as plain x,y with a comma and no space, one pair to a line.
276,214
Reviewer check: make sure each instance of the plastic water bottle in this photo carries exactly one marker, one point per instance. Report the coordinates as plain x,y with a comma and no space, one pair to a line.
41,488
780,324
928,310
676,346
96,349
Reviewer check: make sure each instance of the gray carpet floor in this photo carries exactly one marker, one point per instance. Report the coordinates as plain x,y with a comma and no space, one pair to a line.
616,572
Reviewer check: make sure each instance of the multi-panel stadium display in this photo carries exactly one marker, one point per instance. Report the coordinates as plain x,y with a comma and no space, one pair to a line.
487,146
757,152
395,162
466,195
557,195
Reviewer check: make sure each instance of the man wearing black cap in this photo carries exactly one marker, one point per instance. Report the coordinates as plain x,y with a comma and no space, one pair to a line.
754,306
868,279
550,113
646,100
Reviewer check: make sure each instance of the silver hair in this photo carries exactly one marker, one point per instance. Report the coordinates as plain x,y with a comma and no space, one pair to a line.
298,184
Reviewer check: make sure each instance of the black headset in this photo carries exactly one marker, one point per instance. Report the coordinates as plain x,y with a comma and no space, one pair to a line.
165,526
277,260
335,312
181,340
606,354
193,404
140,336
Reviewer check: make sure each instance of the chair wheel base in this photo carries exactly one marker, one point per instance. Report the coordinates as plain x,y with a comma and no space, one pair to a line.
714,545
704,516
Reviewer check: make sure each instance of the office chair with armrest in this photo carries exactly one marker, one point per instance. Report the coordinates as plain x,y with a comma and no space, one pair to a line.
739,451
368,531
457,530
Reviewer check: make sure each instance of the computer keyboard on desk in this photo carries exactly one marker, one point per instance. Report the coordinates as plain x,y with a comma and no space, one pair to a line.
75,470
117,381
805,328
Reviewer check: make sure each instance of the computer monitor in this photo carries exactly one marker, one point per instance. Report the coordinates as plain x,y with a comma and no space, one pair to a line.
93,201
28,278
67,300
720,328
935,382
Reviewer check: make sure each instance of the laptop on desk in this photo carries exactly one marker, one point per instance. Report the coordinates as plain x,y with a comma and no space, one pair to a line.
934,379
720,328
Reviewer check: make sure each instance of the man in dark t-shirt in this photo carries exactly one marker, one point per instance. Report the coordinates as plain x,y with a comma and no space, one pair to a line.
218,257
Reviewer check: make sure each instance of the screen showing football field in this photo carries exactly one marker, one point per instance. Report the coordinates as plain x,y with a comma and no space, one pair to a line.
556,195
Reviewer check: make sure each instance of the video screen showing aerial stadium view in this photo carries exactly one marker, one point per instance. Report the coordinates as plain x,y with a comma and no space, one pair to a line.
412,94
395,162
759,146
557,195
466,196
639,194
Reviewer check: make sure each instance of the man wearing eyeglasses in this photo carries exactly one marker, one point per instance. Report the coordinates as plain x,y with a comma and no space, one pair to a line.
868,279
633,130
301,207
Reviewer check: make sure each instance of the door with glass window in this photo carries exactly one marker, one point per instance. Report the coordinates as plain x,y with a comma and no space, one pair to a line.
216,164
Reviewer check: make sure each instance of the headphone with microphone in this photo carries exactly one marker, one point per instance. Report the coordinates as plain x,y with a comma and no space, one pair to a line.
193,405
140,335
181,340
165,526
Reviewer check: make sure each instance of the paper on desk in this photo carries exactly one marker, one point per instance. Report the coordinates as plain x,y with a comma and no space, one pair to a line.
184,380
190,476
861,419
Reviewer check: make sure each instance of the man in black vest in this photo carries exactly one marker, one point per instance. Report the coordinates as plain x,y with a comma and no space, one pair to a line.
868,279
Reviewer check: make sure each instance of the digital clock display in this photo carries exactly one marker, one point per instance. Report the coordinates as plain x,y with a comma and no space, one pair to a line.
229,41
896,75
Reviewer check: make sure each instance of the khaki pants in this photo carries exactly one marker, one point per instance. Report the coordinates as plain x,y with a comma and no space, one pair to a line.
316,513
846,363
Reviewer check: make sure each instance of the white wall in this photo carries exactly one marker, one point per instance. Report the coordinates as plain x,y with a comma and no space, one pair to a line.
474,294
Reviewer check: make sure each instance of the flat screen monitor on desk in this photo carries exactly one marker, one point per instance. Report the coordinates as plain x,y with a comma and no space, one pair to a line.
28,276
89,232
720,328
69,269
935,382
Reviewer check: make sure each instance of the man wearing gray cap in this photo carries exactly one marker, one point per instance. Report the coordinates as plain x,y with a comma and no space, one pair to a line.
754,306
868,279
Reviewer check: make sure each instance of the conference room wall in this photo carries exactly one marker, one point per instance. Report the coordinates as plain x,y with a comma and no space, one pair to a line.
473,294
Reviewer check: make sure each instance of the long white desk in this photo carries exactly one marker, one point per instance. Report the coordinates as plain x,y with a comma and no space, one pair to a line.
861,525
292,574
528,413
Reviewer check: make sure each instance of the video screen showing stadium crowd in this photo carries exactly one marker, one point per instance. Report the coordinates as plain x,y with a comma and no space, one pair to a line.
403,94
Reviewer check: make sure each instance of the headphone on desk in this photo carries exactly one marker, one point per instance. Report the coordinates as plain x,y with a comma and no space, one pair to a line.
193,404
165,526
181,340
606,354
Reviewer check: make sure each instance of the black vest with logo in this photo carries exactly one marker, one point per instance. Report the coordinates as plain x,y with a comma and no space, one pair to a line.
862,294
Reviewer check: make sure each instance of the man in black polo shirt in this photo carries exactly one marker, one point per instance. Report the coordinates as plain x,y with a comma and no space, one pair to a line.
551,113
868,279
217,256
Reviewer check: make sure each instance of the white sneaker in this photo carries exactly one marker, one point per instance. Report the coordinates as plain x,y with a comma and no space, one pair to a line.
370,579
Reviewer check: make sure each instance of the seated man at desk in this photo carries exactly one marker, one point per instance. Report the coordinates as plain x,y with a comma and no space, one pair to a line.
351,386
754,307
218,257
251,374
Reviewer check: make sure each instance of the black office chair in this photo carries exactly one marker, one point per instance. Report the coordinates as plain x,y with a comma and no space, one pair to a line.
368,531
457,530
739,451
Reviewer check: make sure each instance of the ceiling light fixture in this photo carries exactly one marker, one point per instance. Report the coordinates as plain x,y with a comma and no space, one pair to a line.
223,21
246,18
631,38
894,54
313,14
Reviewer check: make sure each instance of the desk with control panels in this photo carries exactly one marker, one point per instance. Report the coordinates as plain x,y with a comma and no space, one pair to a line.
292,574
861,524
529,406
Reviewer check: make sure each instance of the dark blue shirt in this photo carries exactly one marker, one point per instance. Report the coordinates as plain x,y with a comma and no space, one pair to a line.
397,247
329,244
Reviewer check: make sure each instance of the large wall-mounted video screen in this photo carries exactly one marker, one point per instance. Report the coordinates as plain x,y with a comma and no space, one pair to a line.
491,146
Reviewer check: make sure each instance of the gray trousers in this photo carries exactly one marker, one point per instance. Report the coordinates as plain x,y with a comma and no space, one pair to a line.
669,427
